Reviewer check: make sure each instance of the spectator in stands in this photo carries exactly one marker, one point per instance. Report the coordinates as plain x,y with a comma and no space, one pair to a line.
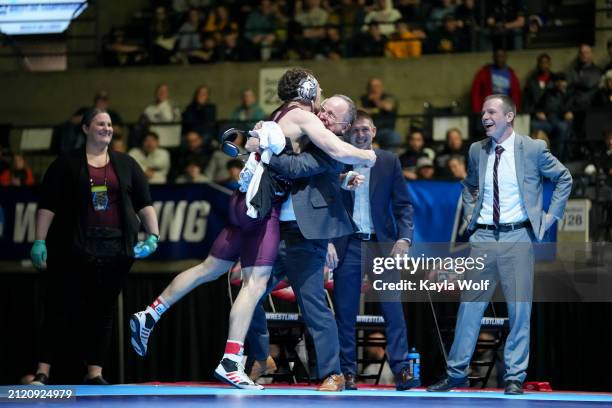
231,48
405,42
119,52
425,169
195,151
385,15
260,29
383,109
603,96
538,82
182,6
249,112
495,78
233,167
455,167
312,21
444,9
468,18
68,136
207,53
554,115
584,77
118,145
413,10
102,101
5,158
454,147
189,34
163,110
369,44
216,170
504,24
218,22
448,38
192,173
377,353
415,150
18,174
154,160
332,46
161,38
201,115
348,15
605,159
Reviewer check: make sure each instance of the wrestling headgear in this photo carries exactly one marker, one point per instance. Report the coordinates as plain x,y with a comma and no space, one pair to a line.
307,89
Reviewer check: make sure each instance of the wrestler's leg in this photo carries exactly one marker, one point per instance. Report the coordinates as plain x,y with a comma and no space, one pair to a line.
254,283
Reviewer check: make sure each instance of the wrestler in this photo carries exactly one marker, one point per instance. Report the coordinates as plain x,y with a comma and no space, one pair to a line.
252,240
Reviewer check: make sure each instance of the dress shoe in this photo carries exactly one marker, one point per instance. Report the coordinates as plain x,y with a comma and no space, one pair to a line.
333,382
262,367
513,388
405,381
349,382
448,383
98,380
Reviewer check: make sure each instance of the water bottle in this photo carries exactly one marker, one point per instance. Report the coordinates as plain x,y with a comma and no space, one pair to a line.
415,363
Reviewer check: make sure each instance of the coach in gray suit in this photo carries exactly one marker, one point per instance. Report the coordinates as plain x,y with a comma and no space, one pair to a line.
502,199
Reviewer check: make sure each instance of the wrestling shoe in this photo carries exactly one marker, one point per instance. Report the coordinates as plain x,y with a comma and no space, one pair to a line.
233,373
141,325
262,367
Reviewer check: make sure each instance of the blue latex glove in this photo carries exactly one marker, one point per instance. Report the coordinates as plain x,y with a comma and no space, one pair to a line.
38,254
146,247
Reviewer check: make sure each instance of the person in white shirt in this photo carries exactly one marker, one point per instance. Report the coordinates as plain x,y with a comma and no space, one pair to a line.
163,110
154,160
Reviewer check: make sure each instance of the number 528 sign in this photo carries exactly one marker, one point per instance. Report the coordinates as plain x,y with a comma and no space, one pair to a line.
576,217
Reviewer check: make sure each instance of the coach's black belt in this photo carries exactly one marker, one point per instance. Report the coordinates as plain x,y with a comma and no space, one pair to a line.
363,236
505,227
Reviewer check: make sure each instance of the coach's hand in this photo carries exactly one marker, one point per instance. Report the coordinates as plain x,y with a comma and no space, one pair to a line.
401,247
331,260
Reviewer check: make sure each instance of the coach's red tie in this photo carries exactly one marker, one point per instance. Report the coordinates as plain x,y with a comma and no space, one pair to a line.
498,152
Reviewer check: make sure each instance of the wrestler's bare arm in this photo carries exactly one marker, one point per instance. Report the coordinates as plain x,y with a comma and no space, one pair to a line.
311,126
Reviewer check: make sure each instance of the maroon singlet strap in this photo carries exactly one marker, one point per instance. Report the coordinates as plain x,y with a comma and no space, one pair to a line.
282,110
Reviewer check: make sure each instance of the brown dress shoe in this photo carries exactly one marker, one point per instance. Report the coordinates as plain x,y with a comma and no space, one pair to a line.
333,382
262,367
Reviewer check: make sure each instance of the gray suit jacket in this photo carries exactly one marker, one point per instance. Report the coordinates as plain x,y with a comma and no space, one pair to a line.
533,161
317,201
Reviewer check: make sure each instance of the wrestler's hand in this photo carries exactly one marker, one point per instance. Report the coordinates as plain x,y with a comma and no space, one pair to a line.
401,247
146,247
355,181
38,254
331,260
252,144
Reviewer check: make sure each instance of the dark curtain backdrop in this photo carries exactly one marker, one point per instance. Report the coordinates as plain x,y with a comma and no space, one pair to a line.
570,343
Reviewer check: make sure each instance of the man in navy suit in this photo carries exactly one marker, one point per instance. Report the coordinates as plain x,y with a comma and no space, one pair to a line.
502,202
382,213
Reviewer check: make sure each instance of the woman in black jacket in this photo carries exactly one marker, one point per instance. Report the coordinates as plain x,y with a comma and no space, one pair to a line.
87,223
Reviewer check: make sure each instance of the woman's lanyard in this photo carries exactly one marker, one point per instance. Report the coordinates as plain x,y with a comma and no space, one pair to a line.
99,193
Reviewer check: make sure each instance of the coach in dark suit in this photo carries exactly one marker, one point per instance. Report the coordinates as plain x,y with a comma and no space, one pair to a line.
382,212
502,200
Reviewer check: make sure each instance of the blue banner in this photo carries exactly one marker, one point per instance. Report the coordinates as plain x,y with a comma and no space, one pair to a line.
191,217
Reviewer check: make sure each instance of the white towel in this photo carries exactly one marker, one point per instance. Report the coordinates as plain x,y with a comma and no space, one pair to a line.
271,141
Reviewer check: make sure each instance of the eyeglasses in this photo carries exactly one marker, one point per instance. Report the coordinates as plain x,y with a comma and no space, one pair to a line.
333,117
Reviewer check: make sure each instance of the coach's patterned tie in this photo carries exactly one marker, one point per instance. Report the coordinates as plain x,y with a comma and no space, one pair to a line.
498,152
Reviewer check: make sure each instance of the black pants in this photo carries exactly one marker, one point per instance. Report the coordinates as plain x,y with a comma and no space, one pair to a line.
81,301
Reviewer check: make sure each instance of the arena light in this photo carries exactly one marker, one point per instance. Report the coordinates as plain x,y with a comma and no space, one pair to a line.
26,17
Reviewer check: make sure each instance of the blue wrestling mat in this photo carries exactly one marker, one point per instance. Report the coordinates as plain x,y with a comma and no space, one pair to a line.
152,396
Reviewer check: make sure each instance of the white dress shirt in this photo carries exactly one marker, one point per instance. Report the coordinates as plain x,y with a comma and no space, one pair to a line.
511,205
362,215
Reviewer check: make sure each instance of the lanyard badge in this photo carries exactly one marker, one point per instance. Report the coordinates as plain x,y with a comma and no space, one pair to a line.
99,198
